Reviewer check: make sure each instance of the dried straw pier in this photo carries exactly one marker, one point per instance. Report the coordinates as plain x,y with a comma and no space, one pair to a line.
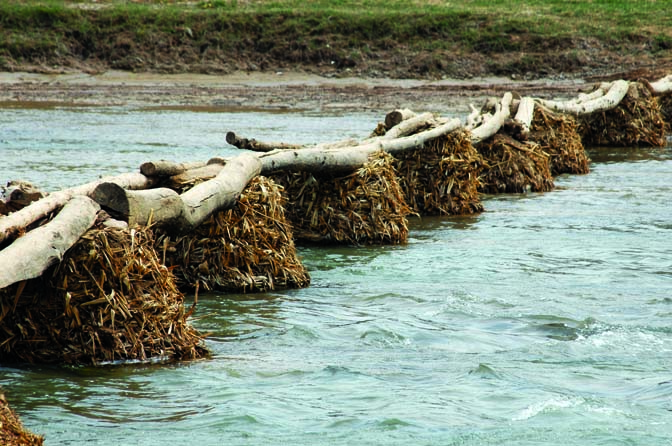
96,273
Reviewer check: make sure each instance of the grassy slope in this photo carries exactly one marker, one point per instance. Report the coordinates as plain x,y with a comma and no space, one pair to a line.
398,38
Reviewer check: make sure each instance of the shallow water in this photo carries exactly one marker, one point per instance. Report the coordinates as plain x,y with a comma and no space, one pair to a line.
544,320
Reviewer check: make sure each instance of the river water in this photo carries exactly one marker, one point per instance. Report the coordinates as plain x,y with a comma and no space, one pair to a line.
544,320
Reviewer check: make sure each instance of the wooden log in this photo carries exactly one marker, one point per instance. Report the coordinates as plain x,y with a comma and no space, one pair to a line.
29,256
192,176
347,159
491,126
610,100
410,126
18,221
181,213
163,168
395,117
258,146
525,113
474,119
662,86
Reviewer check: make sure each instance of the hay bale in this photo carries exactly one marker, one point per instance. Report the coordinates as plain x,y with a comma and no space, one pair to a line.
244,249
12,432
365,207
442,177
636,121
513,166
558,136
665,102
109,299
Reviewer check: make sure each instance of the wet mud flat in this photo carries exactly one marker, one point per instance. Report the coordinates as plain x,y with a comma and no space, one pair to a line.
280,91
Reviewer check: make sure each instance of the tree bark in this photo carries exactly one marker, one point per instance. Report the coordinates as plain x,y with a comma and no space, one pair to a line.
14,223
491,126
29,256
609,100
181,213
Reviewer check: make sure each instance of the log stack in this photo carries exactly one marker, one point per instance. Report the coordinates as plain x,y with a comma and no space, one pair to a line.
109,299
362,208
248,248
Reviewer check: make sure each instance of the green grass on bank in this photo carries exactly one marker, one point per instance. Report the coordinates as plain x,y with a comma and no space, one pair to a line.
316,30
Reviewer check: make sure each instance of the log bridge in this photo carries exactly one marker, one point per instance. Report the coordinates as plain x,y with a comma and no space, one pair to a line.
35,237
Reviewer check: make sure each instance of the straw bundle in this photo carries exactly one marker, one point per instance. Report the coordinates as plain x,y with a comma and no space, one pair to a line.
109,299
442,177
365,207
12,432
557,136
665,102
637,120
513,166
247,248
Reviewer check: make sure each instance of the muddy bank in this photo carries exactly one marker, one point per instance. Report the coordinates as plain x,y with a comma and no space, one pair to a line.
272,91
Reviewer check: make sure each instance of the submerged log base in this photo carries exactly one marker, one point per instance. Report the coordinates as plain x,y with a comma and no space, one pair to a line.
29,256
110,299
558,136
362,208
514,167
637,120
249,248
258,146
12,432
442,177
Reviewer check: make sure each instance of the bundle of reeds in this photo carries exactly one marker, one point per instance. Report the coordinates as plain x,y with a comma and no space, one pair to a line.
244,249
364,207
557,135
665,102
109,299
12,432
442,177
514,166
637,120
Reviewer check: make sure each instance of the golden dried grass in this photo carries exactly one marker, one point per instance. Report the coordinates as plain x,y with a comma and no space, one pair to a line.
442,177
636,121
12,431
513,166
110,299
558,136
249,248
665,102
364,207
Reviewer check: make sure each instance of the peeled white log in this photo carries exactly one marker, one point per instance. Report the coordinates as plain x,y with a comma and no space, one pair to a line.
181,213
163,168
662,86
395,117
258,146
492,126
409,126
350,158
474,119
19,220
525,113
610,100
29,256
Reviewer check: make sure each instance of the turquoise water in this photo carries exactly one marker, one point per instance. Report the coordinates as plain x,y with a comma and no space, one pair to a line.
544,320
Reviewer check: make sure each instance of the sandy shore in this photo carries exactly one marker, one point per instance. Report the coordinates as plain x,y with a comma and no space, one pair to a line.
273,91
